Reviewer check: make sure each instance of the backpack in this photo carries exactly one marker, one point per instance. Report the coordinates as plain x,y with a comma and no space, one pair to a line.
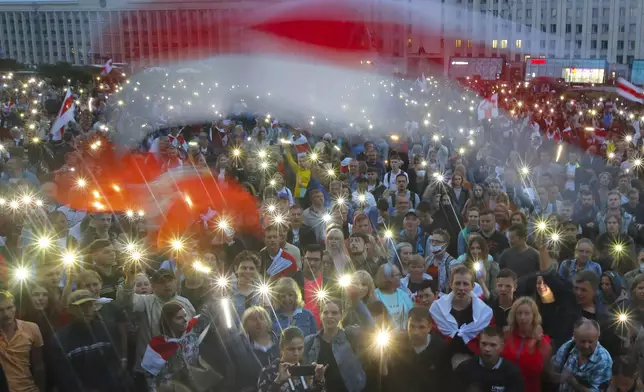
412,199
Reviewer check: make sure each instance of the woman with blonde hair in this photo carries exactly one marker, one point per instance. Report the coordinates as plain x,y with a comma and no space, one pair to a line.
388,291
525,344
365,285
334,244
252,349
289,309
362,283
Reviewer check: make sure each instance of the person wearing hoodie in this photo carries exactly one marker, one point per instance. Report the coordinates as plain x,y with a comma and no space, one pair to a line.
612,292
445,218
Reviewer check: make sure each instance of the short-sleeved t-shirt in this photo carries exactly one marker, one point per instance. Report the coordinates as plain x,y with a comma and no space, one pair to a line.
15,356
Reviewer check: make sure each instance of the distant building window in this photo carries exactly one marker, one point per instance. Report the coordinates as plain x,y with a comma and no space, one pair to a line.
517,44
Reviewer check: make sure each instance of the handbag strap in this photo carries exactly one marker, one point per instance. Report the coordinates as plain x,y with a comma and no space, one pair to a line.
203,334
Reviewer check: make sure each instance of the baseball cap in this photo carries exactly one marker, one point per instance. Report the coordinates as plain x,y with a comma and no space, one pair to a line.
79,297
162,274
411,213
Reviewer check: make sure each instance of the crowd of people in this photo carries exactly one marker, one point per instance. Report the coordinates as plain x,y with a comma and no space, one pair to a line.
497,255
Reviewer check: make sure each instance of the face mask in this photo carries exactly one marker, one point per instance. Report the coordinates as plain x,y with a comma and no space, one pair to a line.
436,249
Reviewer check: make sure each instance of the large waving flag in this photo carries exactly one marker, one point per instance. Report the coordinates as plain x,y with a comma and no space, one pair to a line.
307,54
630,91
65,115
107,68
489,108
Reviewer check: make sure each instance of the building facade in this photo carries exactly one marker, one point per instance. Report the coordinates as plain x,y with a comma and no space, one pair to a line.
82,32
47,31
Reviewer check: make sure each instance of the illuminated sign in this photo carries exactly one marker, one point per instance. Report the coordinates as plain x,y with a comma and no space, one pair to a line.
460,63
538,61
583,75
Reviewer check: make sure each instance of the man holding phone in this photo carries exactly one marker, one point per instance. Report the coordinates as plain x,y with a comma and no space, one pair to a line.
286,374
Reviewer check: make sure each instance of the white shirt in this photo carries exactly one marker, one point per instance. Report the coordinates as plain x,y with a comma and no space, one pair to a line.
390,179
369,200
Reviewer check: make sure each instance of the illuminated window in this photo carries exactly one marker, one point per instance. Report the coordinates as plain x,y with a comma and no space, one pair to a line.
495,44
469,43
409,43
504,43
459,43
517,44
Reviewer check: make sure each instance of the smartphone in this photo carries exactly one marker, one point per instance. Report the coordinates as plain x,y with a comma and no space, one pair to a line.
302,371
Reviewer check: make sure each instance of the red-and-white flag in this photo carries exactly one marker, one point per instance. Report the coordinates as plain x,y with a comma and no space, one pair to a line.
162,348
489,108
599,134
301,145
107,68
65,115
630,91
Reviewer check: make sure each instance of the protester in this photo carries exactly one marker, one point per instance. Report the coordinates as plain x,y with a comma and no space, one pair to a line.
277,374
21,349
583,362
489,371
420,356
460,316
525,344
329,206
85,354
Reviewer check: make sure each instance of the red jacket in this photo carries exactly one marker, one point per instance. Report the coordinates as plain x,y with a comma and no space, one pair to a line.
529,355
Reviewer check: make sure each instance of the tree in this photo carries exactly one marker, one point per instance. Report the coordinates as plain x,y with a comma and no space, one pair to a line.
61,72
11,65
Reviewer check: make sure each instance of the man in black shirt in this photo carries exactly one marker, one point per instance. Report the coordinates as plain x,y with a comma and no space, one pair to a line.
501,302
103,259
489,372
420,359
496,241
